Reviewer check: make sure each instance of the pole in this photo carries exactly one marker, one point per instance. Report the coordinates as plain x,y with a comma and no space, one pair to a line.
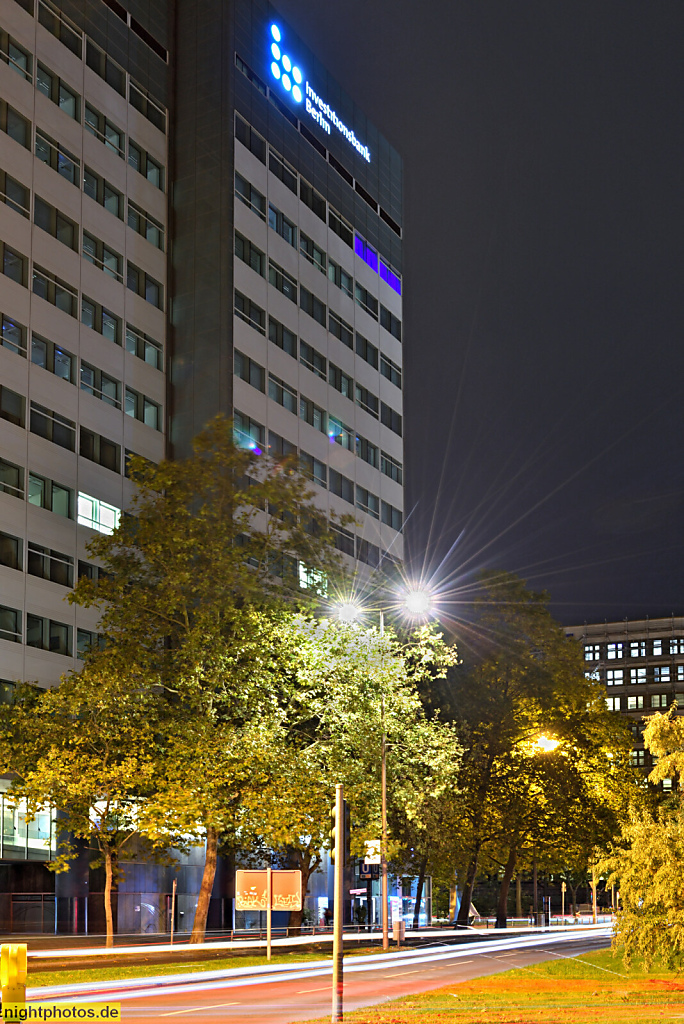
383,851
593,886
269,904
338,920
534,887
563,902
173,906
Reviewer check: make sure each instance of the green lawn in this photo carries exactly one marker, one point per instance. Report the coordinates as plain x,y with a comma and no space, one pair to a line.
595,988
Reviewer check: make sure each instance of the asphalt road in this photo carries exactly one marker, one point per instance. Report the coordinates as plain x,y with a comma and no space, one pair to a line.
286,999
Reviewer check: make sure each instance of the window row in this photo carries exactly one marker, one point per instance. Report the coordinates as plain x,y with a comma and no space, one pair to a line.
642,676
41,561
44,634
286,173
633,649
55,497
643,702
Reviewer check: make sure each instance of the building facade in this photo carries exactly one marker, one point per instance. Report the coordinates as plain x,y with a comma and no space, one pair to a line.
195,218
641,664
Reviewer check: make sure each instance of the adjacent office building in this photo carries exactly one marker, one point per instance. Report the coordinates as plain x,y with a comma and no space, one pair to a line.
641,664
195,218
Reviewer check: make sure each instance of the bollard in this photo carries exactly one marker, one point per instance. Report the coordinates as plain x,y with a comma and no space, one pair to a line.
13,972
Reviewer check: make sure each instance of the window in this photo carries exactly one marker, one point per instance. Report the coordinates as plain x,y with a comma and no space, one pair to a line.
55,223
282,393
313,199
592,652
14,195
100,385
250,196
101,450
367,502
248,311
245,134
366,300
49,495
14,265
344,540
340,434
281,225
637,649
57,157
313,360
249,254
390,322
98,318
246,369
657,647
144,347
394,470
312,305
15,56
14,125
367,552
56,23
615,677
637,758
12,406
312,414
392,279
283,281
313,469
595,675
86,641
282,337
56,90
613,703
341,329
248,73
659,700
103,193
97,515
140,160
48,635
146,225
367,451
367,400
367,351
341,227
55,291
637,676
341,278
104,130
52,358
10,624
144,285
341,381
105,67
99,254
677,645
635,703
390,370
50,565
248,433
53,427
392,516
342,486
279,447
390,418
661,674
12,335
142,408
11,479
11,551
680,672
141,101
312,252
362,249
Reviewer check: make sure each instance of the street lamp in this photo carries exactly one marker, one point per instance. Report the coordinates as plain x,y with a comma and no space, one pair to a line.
416,602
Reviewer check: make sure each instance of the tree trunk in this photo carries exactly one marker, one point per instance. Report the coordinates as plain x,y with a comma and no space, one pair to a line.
518,895
573,893
199,925
109,918
501,910
467,894
306,866
419,891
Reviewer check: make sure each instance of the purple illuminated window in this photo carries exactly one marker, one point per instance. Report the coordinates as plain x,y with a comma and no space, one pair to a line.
359,247
392,280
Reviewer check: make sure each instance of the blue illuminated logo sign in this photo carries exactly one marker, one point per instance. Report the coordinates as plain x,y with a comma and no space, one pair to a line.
291,78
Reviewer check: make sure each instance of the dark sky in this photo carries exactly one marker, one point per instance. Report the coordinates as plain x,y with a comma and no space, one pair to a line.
544,283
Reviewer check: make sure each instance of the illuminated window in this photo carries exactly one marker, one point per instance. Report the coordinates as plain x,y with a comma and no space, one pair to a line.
657,647
635,703
96,514
615,677
614,651
677,645
592,652
637,649
661,674
313,579
637,675
659,700
613,703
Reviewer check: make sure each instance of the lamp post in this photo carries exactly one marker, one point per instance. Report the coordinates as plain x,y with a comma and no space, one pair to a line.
417,603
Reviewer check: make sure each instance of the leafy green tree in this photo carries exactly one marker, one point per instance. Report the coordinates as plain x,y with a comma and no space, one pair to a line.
212,547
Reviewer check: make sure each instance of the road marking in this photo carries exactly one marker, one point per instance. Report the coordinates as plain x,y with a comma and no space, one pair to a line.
402,973
502,955
197,1009
324,988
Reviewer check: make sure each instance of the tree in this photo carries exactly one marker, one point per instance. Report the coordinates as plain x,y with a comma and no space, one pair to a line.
211,548
87,747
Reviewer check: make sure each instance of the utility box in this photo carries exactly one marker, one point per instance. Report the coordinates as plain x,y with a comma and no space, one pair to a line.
399,931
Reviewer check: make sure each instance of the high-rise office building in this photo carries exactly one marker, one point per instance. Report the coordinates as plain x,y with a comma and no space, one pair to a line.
195,218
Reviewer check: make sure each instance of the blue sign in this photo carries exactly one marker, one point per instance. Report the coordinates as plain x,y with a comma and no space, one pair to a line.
291,78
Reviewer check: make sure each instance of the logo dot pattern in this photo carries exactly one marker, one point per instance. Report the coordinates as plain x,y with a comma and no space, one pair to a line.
282,68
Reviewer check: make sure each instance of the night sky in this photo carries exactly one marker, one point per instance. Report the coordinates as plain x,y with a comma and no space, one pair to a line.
544,284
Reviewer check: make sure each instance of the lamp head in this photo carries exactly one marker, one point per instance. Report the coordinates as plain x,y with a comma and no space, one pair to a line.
418,602
348,611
